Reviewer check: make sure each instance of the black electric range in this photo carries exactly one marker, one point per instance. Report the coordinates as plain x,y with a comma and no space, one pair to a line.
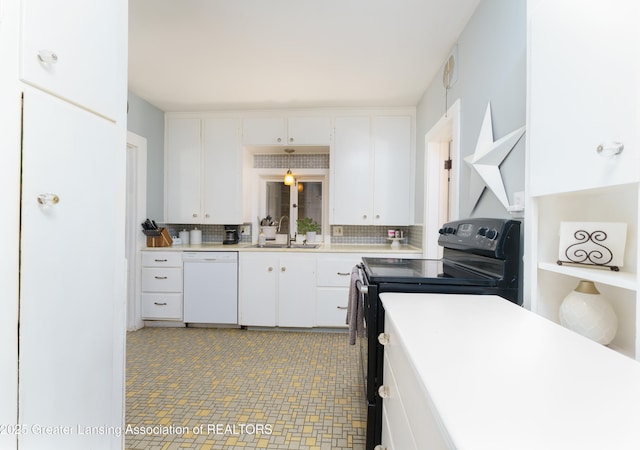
480,256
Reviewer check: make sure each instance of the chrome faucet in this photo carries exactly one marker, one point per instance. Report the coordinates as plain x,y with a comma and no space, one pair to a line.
280,222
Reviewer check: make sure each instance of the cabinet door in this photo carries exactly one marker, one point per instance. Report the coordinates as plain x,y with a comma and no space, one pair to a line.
71,296
71,49
296,291
258,289
264,131
182,169
309,131
352,199
392,171
583,81
222,160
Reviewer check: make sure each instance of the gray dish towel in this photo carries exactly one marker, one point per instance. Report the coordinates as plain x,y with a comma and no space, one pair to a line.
355,306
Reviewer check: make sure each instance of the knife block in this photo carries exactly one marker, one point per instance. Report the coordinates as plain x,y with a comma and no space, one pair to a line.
161,239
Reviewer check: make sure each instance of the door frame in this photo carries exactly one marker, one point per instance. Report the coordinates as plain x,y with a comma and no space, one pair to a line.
442,141
136,214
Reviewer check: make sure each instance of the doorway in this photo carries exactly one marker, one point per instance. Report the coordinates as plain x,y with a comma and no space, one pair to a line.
136,212
442,168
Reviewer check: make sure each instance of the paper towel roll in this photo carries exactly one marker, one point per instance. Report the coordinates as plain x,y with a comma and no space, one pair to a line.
184,237
195,237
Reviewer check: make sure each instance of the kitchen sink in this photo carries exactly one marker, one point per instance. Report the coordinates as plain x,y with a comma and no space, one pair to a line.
308,246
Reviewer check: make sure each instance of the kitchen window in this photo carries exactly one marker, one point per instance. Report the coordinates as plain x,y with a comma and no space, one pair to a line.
306,198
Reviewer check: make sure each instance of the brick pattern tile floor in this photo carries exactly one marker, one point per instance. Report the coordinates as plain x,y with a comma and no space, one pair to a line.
209,388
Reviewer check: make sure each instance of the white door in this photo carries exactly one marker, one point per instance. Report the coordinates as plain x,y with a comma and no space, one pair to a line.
73,48
72,276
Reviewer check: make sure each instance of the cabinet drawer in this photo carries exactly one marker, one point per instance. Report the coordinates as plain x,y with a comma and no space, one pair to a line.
162,279
162,259
335,272
162,306
331,307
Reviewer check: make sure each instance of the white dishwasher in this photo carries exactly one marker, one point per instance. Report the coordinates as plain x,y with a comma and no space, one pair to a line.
210,287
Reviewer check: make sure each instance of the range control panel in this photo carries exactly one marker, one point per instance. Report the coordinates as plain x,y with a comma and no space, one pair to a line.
489,235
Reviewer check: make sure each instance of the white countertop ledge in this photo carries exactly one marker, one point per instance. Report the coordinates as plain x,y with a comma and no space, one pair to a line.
323,248
503,378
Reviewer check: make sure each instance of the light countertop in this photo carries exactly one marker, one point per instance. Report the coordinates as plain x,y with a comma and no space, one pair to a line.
323,248
501,377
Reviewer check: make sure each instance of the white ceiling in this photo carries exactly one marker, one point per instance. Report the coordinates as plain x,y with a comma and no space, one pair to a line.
188,55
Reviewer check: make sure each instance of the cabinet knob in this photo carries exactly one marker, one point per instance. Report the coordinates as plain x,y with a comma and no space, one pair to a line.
270,269
160,303
383,338
206,215
48,199
279,139
283,269
160,278
47,57
377,216
383,391
364,216
610,148
290,139
195,215
160,260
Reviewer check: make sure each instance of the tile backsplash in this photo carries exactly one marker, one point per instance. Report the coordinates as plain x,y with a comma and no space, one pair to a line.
352,234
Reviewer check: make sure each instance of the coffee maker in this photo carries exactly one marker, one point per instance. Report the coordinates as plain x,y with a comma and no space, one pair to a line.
231,235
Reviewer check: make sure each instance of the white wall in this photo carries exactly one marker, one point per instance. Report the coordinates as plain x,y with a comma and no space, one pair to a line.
492,67
147,121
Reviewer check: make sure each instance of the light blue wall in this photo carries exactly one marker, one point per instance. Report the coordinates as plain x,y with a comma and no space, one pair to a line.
146,120
492,68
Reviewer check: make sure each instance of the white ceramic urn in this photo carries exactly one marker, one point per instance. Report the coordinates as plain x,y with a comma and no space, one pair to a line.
588,313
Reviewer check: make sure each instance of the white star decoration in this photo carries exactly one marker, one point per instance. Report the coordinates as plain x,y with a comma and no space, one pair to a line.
486,160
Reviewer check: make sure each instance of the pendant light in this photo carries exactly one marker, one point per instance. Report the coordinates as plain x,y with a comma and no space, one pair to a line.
289,179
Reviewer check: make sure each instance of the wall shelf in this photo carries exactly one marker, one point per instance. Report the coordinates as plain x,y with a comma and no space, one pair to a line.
624,280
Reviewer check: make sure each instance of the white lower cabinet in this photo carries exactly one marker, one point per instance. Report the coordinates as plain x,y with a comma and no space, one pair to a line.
332,296
161,297
277,289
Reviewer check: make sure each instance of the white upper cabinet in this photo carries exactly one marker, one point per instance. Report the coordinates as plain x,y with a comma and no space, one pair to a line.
291,131
182,167
309,131
583,94
371,171
352,199
264,131
203,171
222,178
392,171
68,48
